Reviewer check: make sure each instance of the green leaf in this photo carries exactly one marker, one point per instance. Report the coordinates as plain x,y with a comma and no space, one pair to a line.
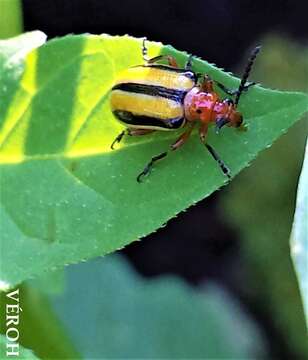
65,195
116,306
299,237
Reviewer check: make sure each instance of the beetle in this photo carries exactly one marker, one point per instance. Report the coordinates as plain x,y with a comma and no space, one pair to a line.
156,96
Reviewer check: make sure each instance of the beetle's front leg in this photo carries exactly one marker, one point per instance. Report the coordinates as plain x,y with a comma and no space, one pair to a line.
217,158
233,92
203,133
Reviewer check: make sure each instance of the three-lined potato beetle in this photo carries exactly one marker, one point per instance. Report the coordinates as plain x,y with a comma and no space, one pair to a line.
154,97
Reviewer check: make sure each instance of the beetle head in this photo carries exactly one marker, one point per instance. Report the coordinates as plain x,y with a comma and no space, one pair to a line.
228,116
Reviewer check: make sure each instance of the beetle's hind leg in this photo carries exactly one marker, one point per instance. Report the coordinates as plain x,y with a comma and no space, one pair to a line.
177,144
117,139
171,60
130,132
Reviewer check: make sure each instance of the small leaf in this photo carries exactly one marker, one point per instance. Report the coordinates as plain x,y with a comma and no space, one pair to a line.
176,321
65,195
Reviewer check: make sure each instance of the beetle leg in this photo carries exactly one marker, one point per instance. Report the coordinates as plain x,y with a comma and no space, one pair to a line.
138,132
233,92
149,166
207,84
203,133
130,132
183,138
188,65
171,60
118,139
221,164
178,143
144,50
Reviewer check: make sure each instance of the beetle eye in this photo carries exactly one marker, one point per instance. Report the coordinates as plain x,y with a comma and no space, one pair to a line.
198,111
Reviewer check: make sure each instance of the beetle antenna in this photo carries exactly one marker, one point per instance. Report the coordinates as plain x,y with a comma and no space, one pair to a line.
246,73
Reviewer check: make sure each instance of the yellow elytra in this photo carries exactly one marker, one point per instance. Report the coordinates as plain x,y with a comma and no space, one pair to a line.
151,96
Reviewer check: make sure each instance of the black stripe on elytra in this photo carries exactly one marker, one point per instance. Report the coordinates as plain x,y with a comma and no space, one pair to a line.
153,90
142,120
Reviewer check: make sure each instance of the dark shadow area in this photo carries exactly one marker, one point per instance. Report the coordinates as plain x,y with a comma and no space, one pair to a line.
218,31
